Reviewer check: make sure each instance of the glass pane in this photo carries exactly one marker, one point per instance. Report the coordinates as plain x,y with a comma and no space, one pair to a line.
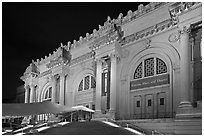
149,102
161,101
138,103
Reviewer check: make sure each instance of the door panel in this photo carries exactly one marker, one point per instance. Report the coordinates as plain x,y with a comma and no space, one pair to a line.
137,107
149,106
161,107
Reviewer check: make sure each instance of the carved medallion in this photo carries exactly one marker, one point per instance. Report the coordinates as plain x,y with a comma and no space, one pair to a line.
174,37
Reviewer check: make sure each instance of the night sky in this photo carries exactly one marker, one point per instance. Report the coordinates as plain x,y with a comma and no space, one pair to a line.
31,31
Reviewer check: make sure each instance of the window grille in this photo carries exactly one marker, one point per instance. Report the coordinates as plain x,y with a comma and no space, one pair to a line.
138,72
80,86
161,66
50,92
46,95
86,83
93,82
149,67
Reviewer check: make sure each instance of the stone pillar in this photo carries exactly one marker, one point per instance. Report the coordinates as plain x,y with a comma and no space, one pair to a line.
98,86
113,87
62,79
54,89
32,93
185,103
185,68
26,93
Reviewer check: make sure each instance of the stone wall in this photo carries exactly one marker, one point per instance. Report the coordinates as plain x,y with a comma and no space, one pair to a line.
168,126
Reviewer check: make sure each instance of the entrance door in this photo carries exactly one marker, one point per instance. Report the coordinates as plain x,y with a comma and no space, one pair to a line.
161,99
137,107
149,106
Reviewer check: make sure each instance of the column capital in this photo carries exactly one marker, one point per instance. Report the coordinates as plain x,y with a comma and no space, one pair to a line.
53,77
32,85
62,74
113,55
116,57
185,29
26,86
99,60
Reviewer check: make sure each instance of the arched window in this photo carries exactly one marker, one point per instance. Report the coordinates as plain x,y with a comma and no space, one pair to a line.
161,66
86,83
80,86
150,67
138,71
48,94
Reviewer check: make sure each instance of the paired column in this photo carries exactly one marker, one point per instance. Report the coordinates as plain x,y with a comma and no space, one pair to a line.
54,80
113,86
32,93
98,85
62,88
185,68
26,94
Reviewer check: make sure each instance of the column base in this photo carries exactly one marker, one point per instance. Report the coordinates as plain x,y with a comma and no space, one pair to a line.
186,110
185,105
97,114
111,114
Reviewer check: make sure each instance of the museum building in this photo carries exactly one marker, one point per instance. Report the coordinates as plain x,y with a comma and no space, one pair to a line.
144,65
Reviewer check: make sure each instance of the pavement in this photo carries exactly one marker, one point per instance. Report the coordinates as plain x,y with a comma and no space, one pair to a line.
87,128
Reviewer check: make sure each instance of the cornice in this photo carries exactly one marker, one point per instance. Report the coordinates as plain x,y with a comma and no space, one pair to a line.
105,29
45,73
82,58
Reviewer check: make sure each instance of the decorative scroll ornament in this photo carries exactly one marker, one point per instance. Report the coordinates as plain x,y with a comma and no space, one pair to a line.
147,43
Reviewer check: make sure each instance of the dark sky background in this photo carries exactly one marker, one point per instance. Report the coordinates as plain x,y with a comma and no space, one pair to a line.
33,30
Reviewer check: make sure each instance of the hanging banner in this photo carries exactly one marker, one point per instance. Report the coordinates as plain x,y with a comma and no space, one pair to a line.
149,82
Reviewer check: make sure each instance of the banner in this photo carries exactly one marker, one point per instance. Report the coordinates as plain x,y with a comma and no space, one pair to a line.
149,82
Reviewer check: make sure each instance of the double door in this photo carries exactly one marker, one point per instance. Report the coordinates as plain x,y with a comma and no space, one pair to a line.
150,105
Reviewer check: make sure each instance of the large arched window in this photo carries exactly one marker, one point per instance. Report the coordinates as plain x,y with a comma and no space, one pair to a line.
86,83
150,67
48,94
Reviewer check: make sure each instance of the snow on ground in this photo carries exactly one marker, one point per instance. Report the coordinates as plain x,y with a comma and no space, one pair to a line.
21,133
63,123
111,124
42,128
23,128
134,131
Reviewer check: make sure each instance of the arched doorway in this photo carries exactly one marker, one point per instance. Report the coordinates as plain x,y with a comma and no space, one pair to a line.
46,96
150,92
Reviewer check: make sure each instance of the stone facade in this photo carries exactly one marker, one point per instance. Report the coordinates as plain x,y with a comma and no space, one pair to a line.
146,64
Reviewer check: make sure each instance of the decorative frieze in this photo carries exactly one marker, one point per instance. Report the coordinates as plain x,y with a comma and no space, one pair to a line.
181,7
45,73
147,32
81,58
